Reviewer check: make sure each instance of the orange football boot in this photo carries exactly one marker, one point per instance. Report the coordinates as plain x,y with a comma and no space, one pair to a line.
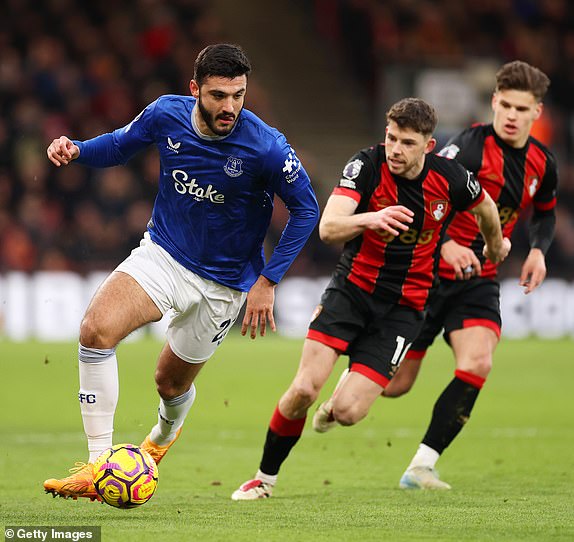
79,484
155,450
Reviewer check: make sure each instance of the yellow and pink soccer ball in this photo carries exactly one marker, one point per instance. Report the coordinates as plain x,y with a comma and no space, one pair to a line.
125,476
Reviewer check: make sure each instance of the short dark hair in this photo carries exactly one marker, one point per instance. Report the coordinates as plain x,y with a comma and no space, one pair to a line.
221,60
415,114
519,75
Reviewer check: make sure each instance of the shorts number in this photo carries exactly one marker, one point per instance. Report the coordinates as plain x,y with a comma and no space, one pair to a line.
224,327
400,351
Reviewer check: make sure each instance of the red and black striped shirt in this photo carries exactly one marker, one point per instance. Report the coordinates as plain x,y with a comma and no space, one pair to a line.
514,178
402,269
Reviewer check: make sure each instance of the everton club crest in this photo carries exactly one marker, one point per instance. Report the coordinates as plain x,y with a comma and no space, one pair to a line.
233,166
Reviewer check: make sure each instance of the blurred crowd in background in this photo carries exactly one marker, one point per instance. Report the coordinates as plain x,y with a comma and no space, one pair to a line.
82,69
376,37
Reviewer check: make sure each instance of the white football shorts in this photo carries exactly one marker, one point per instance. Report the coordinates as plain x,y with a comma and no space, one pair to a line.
204,311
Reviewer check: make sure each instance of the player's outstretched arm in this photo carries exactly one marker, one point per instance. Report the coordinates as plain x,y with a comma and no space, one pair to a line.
496,246
259,308
339,222
62,151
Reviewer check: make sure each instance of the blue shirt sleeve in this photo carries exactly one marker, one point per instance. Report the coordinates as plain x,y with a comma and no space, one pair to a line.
289,180
119,146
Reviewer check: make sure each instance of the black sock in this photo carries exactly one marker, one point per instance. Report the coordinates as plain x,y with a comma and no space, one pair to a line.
282,435
275,451
451,411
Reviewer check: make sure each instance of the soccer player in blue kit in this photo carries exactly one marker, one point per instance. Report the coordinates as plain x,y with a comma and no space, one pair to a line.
201,256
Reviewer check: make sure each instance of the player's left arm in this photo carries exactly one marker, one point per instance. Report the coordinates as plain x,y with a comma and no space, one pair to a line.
289,180
541,230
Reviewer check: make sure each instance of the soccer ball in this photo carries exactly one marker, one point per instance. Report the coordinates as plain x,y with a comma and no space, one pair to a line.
125,476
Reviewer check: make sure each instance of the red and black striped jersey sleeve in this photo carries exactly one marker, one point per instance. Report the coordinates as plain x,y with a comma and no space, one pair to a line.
543,219
545,197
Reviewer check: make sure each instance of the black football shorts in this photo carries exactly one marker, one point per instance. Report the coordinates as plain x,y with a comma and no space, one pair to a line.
374,334
459,304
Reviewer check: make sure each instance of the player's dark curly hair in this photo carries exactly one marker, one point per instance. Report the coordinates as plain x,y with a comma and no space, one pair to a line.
221,60
415,114
519,75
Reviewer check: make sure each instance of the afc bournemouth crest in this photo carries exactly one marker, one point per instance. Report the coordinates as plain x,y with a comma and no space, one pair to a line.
438,209
233,166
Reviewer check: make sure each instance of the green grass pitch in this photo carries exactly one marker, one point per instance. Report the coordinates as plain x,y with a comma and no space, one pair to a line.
511,469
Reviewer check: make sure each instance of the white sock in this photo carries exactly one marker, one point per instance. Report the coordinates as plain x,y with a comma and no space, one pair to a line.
170,417
425,457
267,478
98,396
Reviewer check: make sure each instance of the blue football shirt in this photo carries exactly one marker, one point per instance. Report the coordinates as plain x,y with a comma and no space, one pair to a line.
215,197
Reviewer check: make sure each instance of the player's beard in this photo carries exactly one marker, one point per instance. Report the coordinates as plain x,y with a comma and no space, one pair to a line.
209,119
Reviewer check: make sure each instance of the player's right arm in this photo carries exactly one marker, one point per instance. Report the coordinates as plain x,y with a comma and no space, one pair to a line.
340,224
496,246
340,221
62,151
109,149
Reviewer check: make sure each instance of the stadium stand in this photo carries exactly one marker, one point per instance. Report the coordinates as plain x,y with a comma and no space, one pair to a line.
82,69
